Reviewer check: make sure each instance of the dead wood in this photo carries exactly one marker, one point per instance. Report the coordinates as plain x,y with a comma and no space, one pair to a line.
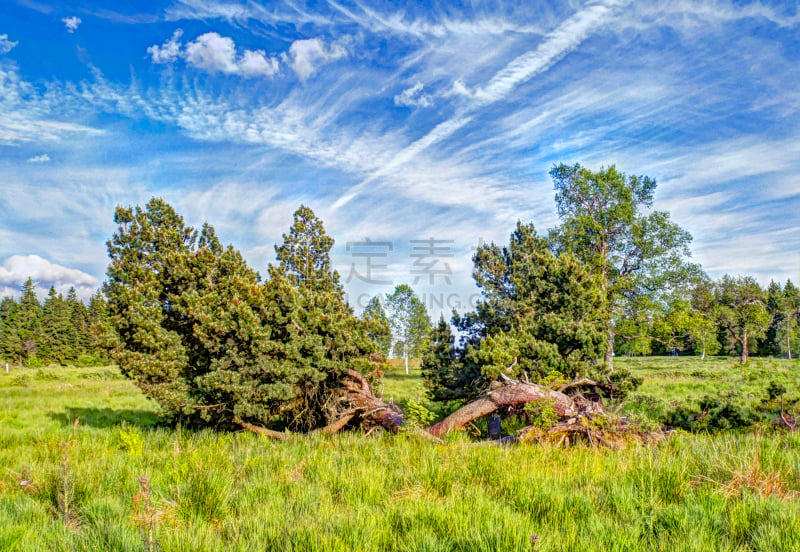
279,435
512,394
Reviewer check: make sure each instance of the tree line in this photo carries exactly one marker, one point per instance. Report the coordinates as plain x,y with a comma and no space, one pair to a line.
60,330
213,342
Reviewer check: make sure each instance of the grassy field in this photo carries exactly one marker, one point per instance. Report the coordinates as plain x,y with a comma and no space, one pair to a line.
75,445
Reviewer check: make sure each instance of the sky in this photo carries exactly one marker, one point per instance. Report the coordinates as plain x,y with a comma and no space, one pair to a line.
414,132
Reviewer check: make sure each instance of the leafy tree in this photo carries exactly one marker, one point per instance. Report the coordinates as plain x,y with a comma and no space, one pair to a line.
702,321
742,312
198,332
788,330
607,223
542,313
380,329
410,323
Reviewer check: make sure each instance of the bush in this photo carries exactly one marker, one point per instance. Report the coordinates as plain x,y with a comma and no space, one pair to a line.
711,414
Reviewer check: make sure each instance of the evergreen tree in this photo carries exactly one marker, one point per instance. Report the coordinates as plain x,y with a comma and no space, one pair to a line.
304,255
199,333
57,344
541,313
379,327
29,323
80,338
769,345
788,330
10,341
443,372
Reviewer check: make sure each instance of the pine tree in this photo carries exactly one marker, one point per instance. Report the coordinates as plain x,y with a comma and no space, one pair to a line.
443,371
304,255
80,338
198,332
29,323
379,327
10,341
788,331
56,344
541,313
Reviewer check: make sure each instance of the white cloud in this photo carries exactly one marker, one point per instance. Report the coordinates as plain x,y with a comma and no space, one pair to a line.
43,158
255,63
167,52
18,268
305,56
555,46
213,53
413,97
6,45
216,54
71,23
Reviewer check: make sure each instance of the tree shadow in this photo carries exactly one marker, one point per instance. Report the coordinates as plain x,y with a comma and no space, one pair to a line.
106,417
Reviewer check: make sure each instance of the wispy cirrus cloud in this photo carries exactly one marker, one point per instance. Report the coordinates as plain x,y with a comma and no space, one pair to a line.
413,97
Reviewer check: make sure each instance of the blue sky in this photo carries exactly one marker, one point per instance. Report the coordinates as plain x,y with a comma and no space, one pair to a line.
394,122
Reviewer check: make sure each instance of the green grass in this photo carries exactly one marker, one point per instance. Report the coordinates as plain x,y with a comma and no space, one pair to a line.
68,488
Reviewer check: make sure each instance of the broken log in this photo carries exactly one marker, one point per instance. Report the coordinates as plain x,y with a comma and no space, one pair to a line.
512,393
363,409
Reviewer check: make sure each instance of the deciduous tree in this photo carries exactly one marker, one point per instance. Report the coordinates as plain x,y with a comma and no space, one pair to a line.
410,323
742,312
607,222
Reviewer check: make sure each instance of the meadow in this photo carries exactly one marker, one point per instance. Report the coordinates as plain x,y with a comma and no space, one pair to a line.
84,465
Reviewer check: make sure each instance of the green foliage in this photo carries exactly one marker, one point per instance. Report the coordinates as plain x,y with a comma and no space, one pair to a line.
409,322
417,414
57,331
201,335
542,312
710,413
742,313
542,414
379,327
608,224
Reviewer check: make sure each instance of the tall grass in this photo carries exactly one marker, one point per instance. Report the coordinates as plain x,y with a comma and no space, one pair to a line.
208,490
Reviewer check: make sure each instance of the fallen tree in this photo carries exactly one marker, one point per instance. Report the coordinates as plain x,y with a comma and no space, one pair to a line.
579,419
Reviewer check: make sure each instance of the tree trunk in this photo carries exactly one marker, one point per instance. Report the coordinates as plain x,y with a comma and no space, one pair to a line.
789,336
405,355
609,358
512,394
745,347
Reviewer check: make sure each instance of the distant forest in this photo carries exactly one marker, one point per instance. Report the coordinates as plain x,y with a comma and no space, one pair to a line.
60,330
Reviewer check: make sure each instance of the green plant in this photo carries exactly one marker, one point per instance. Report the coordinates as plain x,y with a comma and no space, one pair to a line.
543,414
417,414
